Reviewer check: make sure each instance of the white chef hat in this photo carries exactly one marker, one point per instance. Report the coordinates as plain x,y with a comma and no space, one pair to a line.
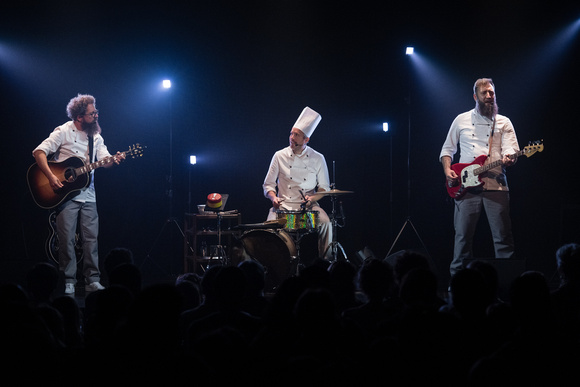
308,121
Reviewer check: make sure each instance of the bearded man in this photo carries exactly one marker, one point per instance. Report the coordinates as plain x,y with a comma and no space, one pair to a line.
80,137
481,131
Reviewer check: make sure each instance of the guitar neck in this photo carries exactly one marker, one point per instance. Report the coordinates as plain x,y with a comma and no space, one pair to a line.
97,164
496,163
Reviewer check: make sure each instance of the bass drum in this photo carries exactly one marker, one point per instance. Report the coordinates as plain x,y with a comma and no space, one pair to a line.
273,249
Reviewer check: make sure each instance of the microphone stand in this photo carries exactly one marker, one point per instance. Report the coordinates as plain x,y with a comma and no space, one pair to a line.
408,219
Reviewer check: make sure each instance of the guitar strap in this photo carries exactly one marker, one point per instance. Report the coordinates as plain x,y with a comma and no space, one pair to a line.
491,138
91,148
91,145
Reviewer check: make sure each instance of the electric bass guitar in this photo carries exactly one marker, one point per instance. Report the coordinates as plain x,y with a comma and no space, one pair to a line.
469,173
72,172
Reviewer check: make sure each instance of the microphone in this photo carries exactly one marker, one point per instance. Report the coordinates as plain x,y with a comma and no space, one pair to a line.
341,210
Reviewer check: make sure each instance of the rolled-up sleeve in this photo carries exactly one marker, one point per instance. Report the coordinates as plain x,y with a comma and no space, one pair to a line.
509,141
450,145
270,181
51,144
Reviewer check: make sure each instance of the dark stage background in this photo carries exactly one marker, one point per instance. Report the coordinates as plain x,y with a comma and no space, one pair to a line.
243,71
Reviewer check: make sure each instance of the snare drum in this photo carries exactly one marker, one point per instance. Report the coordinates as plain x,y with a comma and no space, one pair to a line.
306,220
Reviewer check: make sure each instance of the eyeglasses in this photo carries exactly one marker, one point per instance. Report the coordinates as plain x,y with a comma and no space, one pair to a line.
95,113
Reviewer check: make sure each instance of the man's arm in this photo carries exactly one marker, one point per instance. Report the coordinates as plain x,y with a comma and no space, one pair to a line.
270,183
509,143
42,162
449,173
274,199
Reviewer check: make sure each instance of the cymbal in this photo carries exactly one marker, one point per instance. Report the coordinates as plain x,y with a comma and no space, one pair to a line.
334,192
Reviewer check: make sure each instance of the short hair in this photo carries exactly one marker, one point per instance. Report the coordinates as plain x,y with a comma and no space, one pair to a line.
116,257
568,261
482,82
77,106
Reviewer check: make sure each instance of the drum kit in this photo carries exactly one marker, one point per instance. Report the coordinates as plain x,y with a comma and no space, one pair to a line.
276,243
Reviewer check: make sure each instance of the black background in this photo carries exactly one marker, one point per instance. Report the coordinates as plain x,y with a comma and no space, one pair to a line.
243,71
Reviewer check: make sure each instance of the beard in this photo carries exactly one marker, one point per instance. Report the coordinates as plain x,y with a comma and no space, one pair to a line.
296,146
91,128
488,110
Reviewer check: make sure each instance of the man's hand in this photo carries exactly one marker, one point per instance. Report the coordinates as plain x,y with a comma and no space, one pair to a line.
119,156
115,159
276,201
54,182
507,161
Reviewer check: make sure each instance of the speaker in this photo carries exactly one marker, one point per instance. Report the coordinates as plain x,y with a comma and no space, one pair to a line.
507,271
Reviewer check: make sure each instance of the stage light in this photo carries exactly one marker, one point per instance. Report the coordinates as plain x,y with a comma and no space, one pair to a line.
166,84
192,162
410,51
385,126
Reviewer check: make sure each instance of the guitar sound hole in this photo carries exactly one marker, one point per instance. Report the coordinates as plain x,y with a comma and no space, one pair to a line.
69,174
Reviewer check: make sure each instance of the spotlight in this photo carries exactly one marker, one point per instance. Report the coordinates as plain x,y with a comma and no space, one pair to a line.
166,84
409,51
192,162
385,126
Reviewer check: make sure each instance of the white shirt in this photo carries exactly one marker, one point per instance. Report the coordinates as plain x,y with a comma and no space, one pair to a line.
289,173
471,132
66,141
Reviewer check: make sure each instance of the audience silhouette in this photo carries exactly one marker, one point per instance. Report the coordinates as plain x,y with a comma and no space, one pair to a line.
378,324
566,298
42,282
254,301
375,281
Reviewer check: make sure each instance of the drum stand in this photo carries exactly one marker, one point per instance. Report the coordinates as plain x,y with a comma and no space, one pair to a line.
221,255
297,236
335,245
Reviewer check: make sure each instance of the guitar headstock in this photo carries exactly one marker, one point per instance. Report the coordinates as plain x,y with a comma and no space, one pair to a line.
135,150
533,147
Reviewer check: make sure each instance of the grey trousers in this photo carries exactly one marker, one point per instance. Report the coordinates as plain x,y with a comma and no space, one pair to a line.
66,225
467,212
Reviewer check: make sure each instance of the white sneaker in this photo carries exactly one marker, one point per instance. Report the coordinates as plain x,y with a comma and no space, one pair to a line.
69,288
93,286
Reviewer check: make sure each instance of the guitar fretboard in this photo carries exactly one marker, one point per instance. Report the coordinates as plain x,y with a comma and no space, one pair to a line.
101,163
496,163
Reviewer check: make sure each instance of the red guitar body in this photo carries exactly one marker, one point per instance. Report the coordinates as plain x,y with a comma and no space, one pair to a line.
468,174
456,189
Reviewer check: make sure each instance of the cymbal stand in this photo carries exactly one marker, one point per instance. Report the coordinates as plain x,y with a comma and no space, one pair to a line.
335,245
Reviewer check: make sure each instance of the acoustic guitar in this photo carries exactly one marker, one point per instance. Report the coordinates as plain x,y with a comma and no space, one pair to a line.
72,172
